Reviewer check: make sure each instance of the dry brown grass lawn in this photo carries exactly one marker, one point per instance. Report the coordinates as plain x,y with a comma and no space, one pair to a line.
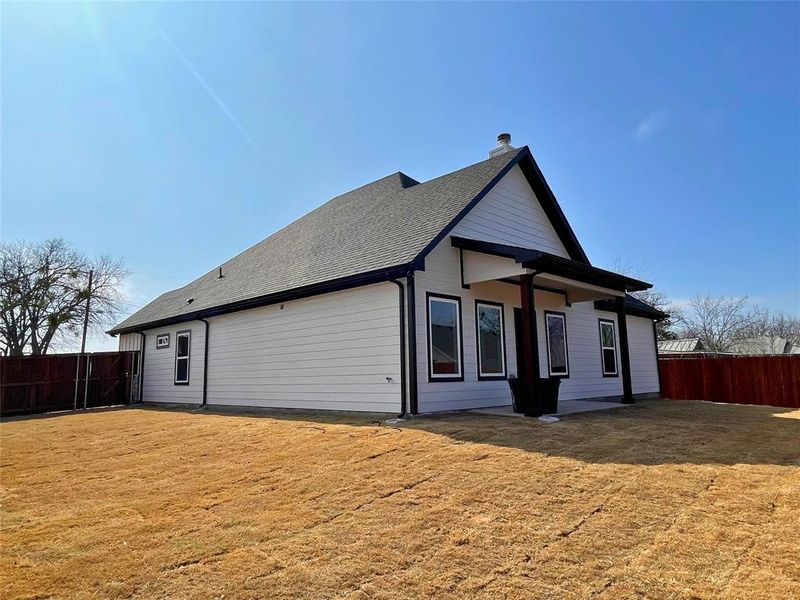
661,500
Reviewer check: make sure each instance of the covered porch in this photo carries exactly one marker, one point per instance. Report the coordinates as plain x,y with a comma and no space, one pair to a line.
576,282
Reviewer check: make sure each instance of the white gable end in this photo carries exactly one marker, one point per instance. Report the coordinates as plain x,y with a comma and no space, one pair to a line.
511,214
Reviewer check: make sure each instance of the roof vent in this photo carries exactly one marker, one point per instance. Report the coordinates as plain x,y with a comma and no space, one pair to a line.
503,145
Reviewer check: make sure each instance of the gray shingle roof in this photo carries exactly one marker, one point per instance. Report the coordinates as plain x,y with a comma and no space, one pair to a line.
382,225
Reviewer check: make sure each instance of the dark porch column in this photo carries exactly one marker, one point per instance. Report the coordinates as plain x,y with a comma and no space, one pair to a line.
529,371
624,353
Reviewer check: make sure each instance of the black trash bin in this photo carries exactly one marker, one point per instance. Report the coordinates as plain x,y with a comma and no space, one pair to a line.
519,394
545,402
548,395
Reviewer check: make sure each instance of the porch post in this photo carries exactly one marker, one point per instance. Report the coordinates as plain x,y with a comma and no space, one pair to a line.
530,348
624,353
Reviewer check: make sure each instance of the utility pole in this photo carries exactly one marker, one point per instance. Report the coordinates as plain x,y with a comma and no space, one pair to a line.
86,315
83,346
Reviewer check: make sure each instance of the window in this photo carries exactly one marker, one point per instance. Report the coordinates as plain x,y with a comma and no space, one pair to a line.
182,345
444,338
557,357
491,340
162,340
608,348
135,365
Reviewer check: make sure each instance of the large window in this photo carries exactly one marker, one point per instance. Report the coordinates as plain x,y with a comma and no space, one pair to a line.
608,348
444,338
182,348
557,355
491,340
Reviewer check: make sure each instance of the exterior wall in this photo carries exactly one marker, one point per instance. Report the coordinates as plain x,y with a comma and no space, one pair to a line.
130,342
442,275
159,366
332,351
511,214
644,360
583,345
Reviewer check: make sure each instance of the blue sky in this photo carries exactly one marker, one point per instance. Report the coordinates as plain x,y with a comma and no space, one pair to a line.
176,135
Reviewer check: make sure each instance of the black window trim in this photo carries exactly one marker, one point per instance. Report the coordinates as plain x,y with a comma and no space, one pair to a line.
563,316
602,348
499,376
188,332
158,337
444,378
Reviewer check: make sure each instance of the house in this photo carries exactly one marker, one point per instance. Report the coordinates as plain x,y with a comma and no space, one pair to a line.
404,296
764,345
681,346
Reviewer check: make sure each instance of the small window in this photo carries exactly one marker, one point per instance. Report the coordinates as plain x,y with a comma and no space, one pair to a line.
444,338
162,340
135,365
491,340
557,356
182,346
608,348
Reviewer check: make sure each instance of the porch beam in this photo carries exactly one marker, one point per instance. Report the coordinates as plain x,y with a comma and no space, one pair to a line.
624,353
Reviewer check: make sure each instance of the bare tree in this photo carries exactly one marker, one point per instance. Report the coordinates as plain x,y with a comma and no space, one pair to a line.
665,328
719,322
43,292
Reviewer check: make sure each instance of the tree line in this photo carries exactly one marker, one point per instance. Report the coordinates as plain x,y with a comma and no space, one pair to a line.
44,288
722,322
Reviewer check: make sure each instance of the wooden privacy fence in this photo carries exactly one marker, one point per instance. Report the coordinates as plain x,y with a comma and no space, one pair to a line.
34,384
770,380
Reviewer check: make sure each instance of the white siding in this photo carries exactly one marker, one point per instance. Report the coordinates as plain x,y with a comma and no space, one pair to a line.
332,351
159,366
129,342
583,344
442,275
511,214
644,365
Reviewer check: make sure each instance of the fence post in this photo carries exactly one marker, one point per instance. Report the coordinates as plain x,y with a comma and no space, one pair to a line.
86,385
77,378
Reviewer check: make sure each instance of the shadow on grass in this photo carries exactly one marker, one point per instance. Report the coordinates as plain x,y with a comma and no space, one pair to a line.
652,432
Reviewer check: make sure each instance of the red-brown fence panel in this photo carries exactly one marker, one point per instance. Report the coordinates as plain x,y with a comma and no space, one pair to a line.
768,380
35,384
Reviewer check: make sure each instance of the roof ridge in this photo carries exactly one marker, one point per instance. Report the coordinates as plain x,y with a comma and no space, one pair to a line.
507,155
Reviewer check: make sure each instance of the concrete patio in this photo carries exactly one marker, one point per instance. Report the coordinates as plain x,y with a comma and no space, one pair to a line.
565,407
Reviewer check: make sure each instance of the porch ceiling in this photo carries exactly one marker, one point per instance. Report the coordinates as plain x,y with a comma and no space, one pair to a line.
486,261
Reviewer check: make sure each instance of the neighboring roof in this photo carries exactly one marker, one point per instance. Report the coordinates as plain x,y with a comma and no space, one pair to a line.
375,232
683,345
544,262
762,345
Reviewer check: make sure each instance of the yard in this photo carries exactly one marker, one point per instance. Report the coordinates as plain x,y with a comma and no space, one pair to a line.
659,500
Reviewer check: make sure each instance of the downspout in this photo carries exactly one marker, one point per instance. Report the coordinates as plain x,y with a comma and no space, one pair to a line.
141,366
205,365
412,344
658,363
402,309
